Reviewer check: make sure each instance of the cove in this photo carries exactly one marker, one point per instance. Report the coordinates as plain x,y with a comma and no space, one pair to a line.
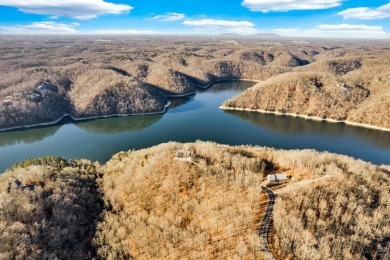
196,117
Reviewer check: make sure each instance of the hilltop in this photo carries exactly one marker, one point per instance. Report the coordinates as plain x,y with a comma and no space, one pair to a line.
196,200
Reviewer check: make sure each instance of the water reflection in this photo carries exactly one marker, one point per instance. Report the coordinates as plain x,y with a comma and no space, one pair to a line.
295,125
229,85
27,136
115,125
184,104
189,119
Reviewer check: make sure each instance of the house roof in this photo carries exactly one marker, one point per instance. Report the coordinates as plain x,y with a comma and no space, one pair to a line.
276,177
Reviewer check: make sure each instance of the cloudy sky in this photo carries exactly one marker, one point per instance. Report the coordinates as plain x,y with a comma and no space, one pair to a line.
314,18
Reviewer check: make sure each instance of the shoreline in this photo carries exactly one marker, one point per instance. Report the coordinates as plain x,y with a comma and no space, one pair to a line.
314,118
222,80
120,115
181,95
80,119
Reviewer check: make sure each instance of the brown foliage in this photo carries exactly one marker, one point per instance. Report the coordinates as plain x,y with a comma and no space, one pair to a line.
56,217
353,88
135,75
24,109
112,93
167,207
313,94
202,204
345,217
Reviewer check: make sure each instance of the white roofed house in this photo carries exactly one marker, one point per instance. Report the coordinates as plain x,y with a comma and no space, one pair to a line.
6,101
47,87
277,177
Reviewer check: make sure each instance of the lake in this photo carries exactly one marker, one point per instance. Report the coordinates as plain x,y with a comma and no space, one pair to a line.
188,119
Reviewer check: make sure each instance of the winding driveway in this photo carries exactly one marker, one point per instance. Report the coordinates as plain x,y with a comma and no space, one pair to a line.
266,224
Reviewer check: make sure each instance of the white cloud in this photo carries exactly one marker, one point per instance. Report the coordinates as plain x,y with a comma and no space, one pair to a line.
169,17
348,27
78,9
287,5
336,31
243,27
40,28
366,13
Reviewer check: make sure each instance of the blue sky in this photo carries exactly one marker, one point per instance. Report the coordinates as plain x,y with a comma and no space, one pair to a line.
317,18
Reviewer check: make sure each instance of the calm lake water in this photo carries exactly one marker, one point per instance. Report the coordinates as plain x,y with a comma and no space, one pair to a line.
189,119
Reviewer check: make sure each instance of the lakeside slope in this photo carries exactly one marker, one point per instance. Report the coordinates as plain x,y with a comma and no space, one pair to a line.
351,90
194,200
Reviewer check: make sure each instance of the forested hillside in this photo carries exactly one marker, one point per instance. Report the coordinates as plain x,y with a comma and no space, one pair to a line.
197,201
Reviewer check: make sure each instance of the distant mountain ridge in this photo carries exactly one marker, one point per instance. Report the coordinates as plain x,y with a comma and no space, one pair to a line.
267,35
